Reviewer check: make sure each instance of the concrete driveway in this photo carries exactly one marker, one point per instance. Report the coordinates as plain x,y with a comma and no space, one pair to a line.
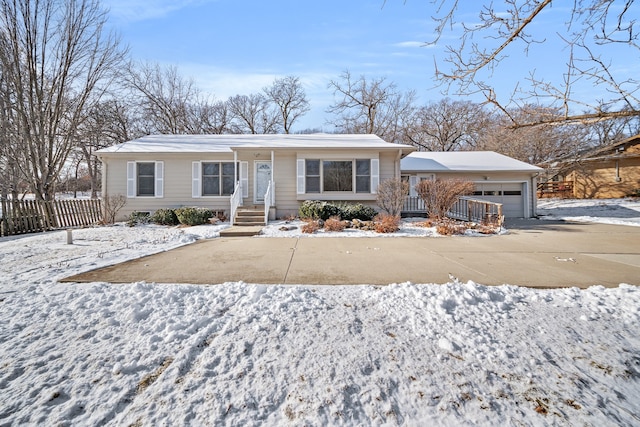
535,253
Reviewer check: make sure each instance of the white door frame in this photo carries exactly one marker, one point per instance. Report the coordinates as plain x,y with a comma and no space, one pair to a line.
259,199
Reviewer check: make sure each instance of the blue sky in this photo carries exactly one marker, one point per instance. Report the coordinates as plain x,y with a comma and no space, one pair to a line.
232,47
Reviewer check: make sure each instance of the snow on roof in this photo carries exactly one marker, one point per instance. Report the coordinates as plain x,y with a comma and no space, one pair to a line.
467,161
229,143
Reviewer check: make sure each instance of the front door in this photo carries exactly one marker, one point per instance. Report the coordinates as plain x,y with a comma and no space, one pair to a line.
262,179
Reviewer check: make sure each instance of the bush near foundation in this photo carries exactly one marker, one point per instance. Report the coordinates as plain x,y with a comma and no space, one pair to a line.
310,226
165,217
385,223
193,216
441,194
334,224
315,209
391,195
448,227
136,218
349,212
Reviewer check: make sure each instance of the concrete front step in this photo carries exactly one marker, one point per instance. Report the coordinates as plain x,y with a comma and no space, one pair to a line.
242,231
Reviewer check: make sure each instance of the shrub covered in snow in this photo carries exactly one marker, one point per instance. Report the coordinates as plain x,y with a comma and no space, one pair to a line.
165,217
136,218
193,215
359,211
316,209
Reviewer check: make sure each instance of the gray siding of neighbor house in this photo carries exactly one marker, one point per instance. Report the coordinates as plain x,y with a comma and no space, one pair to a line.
177,180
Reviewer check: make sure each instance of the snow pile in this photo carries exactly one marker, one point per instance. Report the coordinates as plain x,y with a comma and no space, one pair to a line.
253,354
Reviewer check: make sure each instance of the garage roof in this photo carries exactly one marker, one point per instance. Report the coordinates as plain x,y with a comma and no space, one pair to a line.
463,161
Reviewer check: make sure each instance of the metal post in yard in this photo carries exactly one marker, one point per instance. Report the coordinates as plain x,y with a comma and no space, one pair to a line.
69,237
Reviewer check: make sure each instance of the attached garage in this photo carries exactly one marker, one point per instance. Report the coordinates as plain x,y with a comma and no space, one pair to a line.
508,193
497,178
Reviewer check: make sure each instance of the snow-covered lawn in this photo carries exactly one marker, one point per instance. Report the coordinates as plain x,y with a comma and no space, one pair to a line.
255,354
607,211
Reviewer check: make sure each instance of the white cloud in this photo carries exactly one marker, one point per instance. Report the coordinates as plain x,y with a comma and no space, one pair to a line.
140,10
411,44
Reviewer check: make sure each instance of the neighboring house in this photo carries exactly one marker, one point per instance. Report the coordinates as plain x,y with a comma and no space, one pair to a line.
497,178
170,171
612,171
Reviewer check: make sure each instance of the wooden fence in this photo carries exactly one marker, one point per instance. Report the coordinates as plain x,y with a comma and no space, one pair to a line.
562,189
32,216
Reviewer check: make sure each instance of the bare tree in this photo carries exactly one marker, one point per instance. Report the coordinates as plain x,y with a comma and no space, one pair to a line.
391,195
106,123
370,107
289,95
252,114
440,195
56,59
166,97
592,27
211,117
447,125
533,145
609,131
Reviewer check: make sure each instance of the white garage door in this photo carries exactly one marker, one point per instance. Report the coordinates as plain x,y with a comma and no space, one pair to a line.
511,195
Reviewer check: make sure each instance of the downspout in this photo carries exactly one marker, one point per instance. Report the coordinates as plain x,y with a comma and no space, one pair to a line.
534,196
397,171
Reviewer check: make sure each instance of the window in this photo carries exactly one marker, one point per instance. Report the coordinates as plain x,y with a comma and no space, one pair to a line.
145,179
218,178
312,176
363,176
337,175
324,176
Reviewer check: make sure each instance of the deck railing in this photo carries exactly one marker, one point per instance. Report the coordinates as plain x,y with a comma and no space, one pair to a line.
465,209
268,201
475,210
555,189
413,204
236,200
